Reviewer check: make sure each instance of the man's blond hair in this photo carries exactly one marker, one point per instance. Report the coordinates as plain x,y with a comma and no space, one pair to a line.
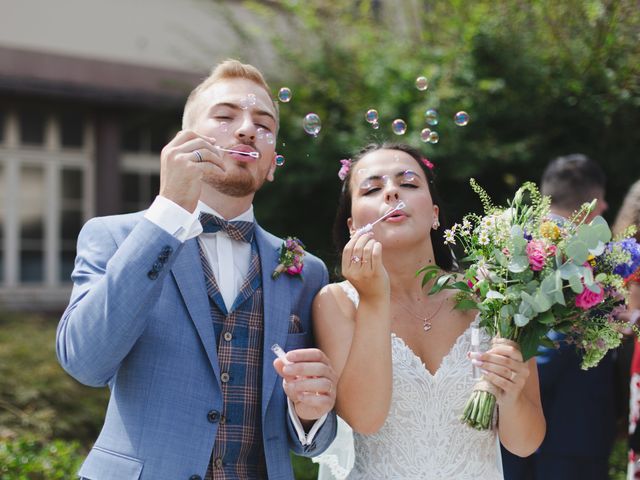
227,70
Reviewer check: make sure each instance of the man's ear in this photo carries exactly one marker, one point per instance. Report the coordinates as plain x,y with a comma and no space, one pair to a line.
272,169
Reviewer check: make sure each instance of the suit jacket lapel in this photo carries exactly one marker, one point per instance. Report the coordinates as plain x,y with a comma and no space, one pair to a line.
276,305
187,270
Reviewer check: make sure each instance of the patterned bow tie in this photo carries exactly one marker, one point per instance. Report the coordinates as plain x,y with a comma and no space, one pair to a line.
237,230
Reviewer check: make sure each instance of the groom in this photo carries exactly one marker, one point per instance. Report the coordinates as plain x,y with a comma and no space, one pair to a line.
175,309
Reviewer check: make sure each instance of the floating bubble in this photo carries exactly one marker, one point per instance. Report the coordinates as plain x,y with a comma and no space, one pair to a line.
422,83
431,117
434,137
375,125
279,160
372,116
312,124
251,99
399,126
424,134
284,95
461,118
270,138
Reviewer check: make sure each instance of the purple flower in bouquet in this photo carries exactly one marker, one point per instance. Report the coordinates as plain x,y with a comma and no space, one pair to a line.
632,249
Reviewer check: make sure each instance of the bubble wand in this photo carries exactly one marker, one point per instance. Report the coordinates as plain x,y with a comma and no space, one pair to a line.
250,154
369,226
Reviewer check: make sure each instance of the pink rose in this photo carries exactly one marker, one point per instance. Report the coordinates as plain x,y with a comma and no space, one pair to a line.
295,269
537,253
588,299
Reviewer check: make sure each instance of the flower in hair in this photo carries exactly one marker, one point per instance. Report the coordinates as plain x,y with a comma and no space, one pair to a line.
344,169
427,163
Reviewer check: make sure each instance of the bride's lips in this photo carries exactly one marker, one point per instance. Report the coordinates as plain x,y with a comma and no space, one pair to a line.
397,216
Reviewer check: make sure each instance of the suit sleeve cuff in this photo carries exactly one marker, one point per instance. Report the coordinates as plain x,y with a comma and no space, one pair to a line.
305,438
174,219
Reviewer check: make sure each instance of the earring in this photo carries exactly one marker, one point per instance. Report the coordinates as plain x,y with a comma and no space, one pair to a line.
436,224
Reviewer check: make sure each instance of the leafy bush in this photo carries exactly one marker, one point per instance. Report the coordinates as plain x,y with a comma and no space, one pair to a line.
27,458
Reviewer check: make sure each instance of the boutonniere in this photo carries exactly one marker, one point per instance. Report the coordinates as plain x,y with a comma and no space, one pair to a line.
290,261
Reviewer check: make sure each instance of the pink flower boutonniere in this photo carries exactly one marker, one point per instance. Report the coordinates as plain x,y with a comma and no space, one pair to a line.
290,261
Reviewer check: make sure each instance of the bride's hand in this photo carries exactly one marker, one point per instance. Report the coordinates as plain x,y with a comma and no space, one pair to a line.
362,266
504,367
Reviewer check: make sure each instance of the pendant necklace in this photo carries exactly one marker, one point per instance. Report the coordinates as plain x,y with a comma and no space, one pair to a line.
426,319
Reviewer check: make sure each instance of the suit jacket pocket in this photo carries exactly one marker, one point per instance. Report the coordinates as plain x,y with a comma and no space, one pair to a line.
103,464
297,340
295,325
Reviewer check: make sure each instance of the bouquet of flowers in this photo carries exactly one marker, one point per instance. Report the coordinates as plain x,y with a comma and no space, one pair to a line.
528,272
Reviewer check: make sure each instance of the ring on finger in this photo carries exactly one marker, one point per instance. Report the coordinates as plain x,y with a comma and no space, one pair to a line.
198,156
355,259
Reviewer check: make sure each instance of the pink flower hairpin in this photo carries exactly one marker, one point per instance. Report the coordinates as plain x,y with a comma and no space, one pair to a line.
427,163
344,169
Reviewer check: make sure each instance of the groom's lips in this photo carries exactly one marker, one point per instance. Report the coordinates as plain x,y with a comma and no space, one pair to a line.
241,156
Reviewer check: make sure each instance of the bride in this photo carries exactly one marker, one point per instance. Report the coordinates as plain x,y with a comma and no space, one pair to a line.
402,356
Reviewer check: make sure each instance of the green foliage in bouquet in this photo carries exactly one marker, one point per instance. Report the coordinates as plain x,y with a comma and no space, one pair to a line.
528,272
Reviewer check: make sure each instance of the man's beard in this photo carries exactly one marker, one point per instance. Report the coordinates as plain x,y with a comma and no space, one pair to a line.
238,183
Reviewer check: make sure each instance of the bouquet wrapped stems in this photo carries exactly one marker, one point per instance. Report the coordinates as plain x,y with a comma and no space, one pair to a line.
479,410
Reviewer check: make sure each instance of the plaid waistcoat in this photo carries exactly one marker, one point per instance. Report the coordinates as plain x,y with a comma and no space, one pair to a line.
238,451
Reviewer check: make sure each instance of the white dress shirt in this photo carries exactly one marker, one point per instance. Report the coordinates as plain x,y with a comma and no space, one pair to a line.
229,259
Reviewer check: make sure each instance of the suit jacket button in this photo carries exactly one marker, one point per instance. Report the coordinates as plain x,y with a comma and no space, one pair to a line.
224,377
213,416
217,463
195,477
228,336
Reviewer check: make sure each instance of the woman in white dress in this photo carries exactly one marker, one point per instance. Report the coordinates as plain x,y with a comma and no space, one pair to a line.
402,357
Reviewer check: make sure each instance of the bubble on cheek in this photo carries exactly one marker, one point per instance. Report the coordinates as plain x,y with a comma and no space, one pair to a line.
270,138
260,134
224,127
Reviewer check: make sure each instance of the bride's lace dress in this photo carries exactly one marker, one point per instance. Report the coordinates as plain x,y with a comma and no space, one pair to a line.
422,437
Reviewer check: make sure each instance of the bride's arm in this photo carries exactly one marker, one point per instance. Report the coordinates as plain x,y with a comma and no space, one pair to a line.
358,340
521,420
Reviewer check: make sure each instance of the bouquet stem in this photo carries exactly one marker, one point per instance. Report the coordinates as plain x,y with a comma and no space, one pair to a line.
479,410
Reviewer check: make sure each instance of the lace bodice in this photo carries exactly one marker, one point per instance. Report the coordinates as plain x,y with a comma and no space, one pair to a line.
422,437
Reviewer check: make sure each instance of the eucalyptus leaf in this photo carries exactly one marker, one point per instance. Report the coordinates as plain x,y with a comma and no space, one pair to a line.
577,251
576,284
494,295
547,318
542,302
519,263
520,320
466,304
569,270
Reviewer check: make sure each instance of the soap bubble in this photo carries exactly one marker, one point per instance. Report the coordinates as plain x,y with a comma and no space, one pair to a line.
431,117
399,126
284,95
372,116
279,160
424,134
461,118
422,83
434,137
312,124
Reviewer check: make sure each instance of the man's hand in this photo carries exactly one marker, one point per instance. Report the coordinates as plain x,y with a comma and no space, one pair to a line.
181,169
309,381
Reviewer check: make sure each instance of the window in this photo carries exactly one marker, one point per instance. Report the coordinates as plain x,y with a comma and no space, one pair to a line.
32,127
2,126
139,190
31,205
71,130
3,217
71,219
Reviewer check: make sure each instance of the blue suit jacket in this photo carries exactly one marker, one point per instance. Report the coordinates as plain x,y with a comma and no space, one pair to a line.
579,405
150,338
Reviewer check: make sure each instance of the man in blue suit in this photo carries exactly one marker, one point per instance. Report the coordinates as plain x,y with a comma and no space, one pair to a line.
579,405
175,309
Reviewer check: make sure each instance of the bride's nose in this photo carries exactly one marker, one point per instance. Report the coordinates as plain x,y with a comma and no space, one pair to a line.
391,193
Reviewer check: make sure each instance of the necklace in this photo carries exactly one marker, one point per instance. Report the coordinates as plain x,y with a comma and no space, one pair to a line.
426,319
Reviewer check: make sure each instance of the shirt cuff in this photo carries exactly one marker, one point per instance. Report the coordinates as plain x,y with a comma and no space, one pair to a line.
174,219
305,438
